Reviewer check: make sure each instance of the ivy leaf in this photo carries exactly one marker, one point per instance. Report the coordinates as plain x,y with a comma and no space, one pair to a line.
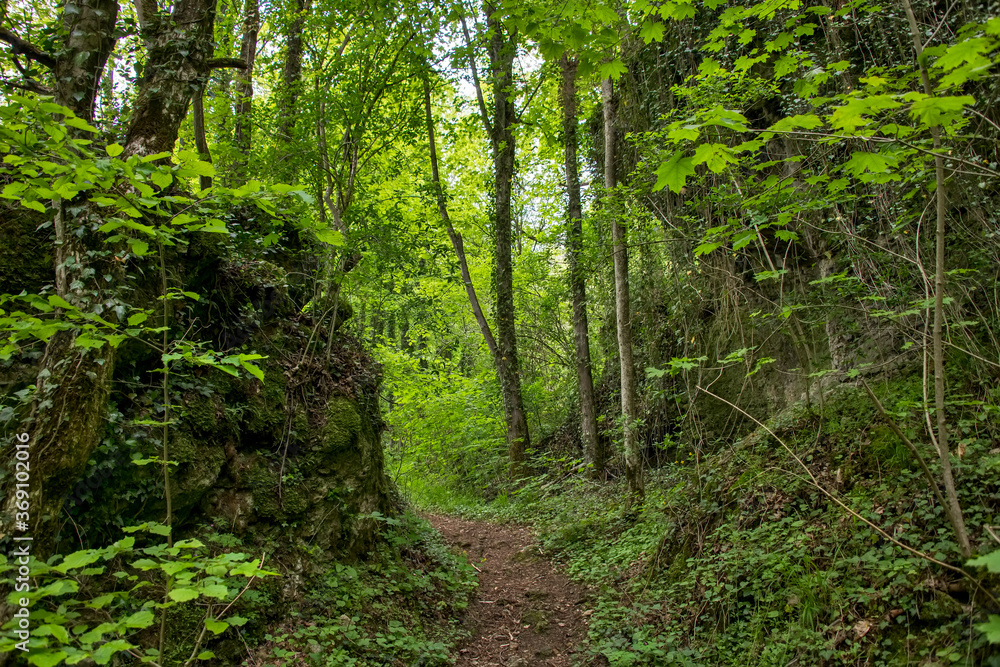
674,172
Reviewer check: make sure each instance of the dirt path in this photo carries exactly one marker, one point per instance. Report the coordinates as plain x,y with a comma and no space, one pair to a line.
525,614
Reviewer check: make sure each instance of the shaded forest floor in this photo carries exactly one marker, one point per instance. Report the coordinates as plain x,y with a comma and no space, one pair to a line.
525,613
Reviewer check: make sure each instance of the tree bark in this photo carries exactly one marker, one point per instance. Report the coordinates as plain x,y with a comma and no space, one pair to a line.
90,30
456,238
200,138
502,48
592,448
954,507
67,416
633,455
243,133
291,76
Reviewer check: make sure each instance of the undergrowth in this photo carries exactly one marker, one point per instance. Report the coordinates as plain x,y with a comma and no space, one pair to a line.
401,606
735,558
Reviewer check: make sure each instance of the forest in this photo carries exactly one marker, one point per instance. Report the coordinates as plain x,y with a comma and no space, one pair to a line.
591,333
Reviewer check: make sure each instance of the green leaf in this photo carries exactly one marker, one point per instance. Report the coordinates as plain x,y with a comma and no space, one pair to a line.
218,591
206,655
183,594
612,70
47,658
238,621
706,248
33,205
59,302
330,237
932,111
137,319
103,655
161,178
991,628
651,31
990,561
140,619
674,172
714,156
253,370
80,124
78,559
217,627
114,150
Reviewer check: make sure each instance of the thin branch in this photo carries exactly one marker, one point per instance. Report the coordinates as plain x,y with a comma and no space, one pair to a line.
220,63
23,47
475,80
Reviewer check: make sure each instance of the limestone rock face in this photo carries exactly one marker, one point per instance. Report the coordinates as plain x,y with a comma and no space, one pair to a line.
294,461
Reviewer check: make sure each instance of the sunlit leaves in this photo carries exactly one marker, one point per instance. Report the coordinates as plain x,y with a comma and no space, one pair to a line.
674,172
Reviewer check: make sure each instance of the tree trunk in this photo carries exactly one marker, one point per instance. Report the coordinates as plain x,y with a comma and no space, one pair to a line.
633,455
592,448
502,48
243,133
200,138
68,411
90,39
954,508
291,76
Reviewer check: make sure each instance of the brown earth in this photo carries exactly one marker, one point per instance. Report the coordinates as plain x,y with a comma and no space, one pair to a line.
525,613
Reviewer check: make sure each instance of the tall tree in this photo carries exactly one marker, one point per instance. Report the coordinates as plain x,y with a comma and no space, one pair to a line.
593,450
633,456
502,48
291,77
243,131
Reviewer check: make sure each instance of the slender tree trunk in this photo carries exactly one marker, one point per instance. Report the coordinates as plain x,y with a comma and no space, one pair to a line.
456,238
633,455
200,138
291,77
592,448
502,48
243,133
954,509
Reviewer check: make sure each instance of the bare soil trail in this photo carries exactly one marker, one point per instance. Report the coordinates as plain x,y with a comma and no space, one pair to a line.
525,613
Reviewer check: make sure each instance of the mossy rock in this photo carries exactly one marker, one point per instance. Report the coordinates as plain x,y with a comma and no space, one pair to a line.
342,427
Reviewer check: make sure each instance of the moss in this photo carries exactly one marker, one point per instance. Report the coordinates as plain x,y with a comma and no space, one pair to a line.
201,412
343,425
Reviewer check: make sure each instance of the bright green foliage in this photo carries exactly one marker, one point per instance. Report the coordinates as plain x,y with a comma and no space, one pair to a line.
403,603
76,615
